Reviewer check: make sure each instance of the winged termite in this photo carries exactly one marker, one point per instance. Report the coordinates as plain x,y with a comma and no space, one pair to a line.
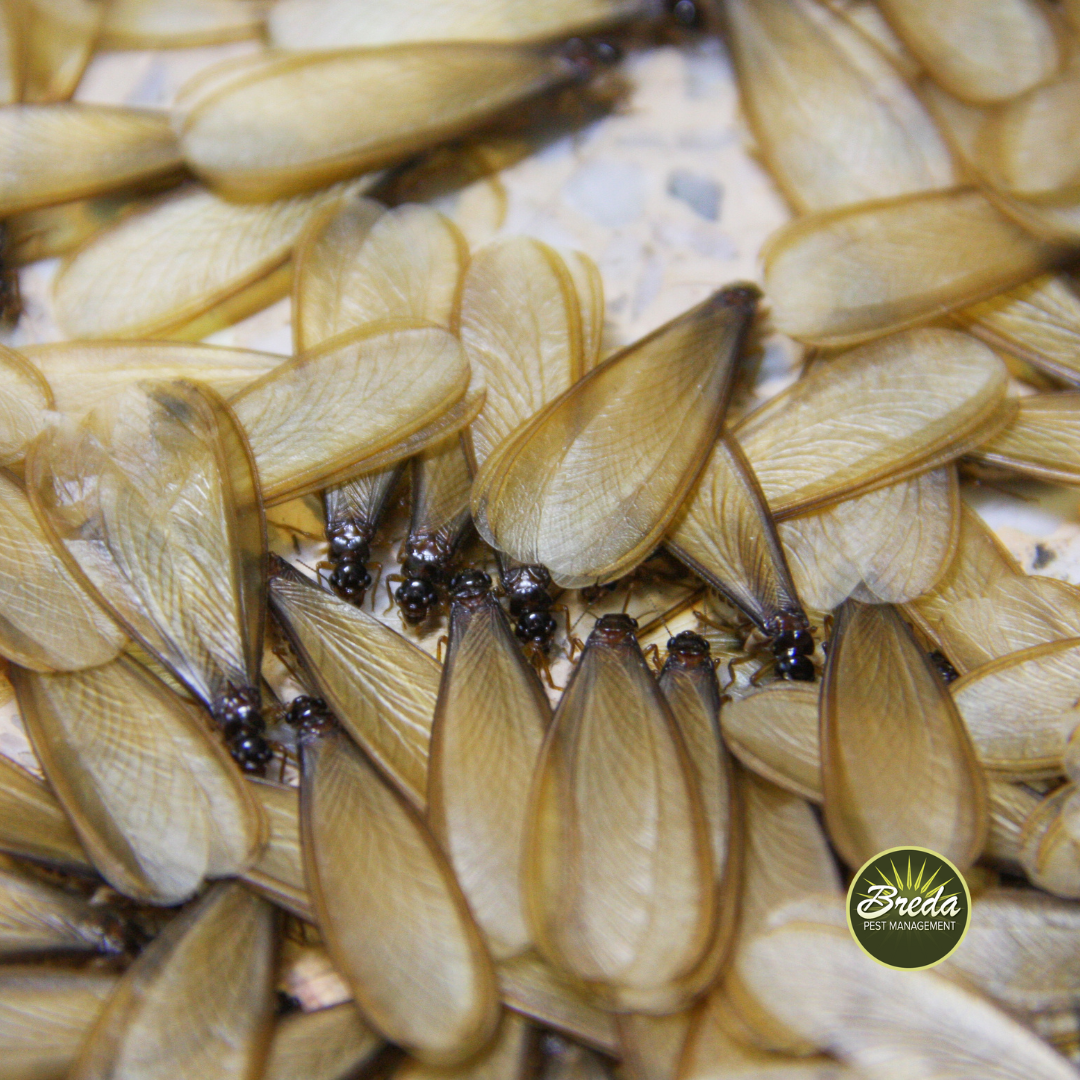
106,737
815,981
619,883
1041,442
48,622
304,120
898,765
1009,46
155,507
36,918
646,417
328,1044
163,24
835,121
392,914
533,988
509,1056
337,24
490,720
57,38
201,993
25,398
936,393
381,687
725,533
54,153
187,265
843,276
45,1014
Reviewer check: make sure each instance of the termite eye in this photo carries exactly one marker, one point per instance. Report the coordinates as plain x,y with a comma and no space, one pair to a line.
686,13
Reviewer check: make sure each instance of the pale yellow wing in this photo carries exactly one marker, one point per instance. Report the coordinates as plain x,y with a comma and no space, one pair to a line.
490,720
393,917
184,266
54,153
1009,46
48,620
337,24
156,801
11,58
872,416
328,1044
58,37
1043,441
618,874
360,263
45,1014
25,398
844,276
381,686
278,872
1049,855
441,483
1010,807
833,118
898,766
86,374
201,993
33,824
165,24
651,1046
510,1055
589,286
521,328
302,121
156,508
326,412
593,482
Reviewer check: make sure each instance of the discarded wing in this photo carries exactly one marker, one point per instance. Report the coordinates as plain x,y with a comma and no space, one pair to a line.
55,153
165,24
337,24
873,416
592,483
200,993
25,398
1043,441
328,1044
618,877
844,276
57,38
156,801
834,119
394,919
490,720
278,872
897,763
302,121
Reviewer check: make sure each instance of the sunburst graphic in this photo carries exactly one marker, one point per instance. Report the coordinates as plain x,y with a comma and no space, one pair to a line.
912,886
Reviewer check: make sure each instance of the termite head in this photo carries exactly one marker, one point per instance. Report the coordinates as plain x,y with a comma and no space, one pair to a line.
687,650
617,629
686,13
416,598
469,585
310,717
585,58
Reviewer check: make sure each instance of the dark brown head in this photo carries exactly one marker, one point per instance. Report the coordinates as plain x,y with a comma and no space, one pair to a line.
615,629
469,586
310,717
528,588
585,58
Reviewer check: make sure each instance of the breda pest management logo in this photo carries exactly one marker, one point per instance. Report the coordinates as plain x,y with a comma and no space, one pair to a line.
908,907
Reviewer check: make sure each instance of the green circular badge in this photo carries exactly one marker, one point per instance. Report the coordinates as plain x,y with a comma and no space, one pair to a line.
908,907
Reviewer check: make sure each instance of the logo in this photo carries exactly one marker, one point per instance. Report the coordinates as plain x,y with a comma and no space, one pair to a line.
908,907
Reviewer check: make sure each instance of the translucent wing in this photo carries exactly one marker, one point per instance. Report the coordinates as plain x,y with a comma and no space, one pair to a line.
897,763
589,286
361,264
872,416
45,1013
336,24
161,516
1021,708
835,121
328,1044
394,919
889,545
381,686
24,398
163,24
593,482
1009,45
184,267
53,153
489,723
1043,441
1010,807
327,411
85,375
843,276
521,328
201,993
725,533
305,120
157,803
278,872
48,621
58,37
618,872
509,1056
1038,321
441,483
1048,853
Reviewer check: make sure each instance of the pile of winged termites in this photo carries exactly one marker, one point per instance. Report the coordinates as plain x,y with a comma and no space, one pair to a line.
570,784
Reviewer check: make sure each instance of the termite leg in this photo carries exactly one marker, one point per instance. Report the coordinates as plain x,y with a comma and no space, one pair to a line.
390,579
652,655
443,642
